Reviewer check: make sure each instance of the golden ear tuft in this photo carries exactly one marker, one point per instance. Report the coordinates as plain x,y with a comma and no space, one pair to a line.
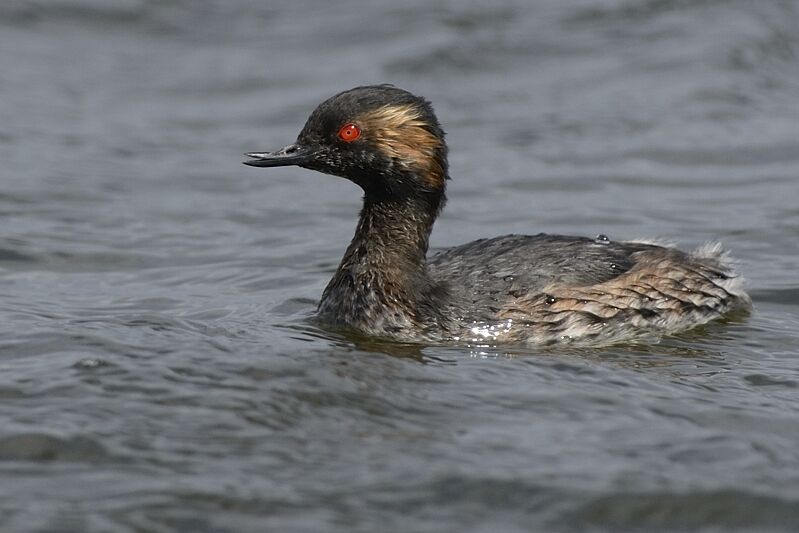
402,134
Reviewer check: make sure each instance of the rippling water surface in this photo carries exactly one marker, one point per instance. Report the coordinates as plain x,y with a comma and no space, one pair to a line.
158,370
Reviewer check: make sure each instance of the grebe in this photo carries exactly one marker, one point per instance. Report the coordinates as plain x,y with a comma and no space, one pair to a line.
536,289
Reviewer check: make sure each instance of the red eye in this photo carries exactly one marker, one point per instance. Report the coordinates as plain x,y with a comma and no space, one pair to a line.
349,132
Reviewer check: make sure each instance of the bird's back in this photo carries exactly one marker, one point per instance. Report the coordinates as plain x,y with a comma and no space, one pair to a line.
546,288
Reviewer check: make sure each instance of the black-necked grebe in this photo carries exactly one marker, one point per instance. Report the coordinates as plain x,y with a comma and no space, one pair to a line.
516,288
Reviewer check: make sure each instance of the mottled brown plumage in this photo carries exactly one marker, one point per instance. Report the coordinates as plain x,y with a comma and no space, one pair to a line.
534,289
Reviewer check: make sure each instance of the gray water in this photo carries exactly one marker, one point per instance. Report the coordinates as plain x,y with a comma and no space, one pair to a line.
158,368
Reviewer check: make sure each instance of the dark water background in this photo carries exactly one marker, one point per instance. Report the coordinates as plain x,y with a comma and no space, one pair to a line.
157,368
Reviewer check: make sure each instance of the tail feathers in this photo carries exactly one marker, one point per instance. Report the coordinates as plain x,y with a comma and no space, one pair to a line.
713,254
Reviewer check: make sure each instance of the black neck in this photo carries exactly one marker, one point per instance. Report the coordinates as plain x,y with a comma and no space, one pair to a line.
394,232
382,281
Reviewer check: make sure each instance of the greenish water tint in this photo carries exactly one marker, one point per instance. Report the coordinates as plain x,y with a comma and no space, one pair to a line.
159,368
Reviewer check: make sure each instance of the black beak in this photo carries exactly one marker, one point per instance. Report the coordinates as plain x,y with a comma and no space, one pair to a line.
293,154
